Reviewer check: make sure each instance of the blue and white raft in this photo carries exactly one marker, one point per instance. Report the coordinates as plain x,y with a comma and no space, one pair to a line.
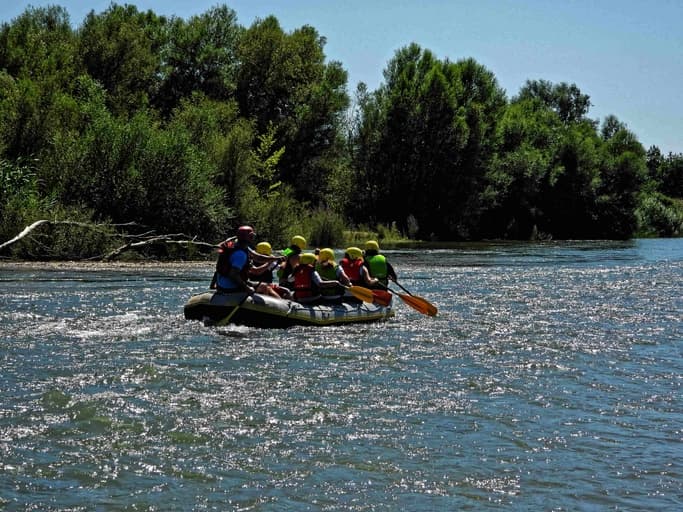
265,311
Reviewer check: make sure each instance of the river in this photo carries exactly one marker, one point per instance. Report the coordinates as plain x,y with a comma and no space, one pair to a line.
551,379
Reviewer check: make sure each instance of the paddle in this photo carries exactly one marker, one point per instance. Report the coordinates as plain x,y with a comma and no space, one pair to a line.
226,320
378,297
381,297
417,303
364,294
402,288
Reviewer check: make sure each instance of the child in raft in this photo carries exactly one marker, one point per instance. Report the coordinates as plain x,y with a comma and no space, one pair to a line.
307,282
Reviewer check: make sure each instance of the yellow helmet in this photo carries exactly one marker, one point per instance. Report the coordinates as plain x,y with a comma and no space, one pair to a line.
354,252
299,241
307,258
372,245
326,255
264,248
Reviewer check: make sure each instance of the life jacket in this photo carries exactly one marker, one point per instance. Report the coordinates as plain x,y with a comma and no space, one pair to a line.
377,264
304,287
225,251
352,269
329,273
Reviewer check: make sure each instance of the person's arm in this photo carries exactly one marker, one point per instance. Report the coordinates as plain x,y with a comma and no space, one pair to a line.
342,277
261,269
322,283
367,278
262,257
237,278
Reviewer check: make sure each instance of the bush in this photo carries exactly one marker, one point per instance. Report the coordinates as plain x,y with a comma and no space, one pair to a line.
276,217
383,234
389,233
659,215
135,170
326,228
19,200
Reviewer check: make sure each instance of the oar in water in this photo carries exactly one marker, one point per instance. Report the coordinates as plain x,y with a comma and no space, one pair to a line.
417,303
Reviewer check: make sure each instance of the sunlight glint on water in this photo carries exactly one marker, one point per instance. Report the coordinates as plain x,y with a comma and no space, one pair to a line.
551,379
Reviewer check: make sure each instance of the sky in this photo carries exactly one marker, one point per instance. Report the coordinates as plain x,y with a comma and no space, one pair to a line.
627,55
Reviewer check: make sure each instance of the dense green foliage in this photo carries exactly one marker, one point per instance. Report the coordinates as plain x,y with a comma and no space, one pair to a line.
196,126
439,145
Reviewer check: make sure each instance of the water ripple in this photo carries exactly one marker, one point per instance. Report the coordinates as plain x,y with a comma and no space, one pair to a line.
544,362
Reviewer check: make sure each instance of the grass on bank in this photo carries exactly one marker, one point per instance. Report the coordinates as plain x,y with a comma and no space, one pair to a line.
386,236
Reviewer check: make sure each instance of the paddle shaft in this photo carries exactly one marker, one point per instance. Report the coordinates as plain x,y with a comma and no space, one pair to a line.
226,320
402,288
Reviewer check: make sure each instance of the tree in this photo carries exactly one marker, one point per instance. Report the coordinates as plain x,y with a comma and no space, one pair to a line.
623,171
672,175
37,68
284,82
121,49
570,104
654,161
39,44
200,56
427,137
483,103
524,162
569,193
666,173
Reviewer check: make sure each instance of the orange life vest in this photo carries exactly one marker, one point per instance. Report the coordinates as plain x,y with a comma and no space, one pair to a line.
304,287
352,268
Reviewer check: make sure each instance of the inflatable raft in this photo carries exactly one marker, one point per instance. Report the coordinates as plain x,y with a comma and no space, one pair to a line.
264,311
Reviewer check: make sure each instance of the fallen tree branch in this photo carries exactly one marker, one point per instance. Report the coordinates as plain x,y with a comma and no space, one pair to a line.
136,241
165,239
25,232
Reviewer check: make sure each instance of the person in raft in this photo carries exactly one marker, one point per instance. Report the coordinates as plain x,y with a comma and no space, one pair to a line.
377,264
263,273
330,271
358,274
306,280
291,255
234,264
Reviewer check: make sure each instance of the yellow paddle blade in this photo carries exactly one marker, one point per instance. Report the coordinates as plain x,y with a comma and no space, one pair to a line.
364,294
419,304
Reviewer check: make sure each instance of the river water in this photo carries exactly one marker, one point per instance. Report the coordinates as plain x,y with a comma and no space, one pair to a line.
550,380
